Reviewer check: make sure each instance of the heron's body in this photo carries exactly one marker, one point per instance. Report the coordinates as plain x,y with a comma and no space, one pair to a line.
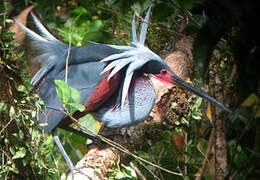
111,79
100,96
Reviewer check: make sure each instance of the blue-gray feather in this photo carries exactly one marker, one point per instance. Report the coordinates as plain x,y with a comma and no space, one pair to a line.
134,36
42,72
120,65
118,56
126,86
110,66
144,27
137,106
44,32
122,48
50,49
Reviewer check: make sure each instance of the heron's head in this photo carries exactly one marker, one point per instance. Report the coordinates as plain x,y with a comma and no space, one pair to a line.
140,58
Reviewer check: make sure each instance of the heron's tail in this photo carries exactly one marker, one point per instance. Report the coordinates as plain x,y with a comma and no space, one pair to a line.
49,49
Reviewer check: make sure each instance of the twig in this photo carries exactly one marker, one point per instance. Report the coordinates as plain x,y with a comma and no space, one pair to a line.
205,160
137,170
186,12
7,124
68,56
233,73
141,19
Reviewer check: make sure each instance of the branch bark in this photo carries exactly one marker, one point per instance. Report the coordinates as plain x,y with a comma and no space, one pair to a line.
96,164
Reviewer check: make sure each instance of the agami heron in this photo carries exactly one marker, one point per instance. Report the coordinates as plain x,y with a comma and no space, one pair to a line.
111,80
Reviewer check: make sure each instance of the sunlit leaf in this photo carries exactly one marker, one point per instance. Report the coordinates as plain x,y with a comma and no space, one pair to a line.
63,91
196,115
208,112
11,112
79,10
184,121
20,153
178,131
3,106
173,105
197,174
75,96
11,149
77,106
250,100
130,171
89,122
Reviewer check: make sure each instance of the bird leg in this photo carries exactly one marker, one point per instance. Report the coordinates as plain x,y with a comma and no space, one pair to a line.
75,131
64,154
95,140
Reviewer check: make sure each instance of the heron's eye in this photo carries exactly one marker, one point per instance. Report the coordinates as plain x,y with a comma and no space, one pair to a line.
163,72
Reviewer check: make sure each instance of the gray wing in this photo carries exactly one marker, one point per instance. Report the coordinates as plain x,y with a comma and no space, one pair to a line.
137,107
84,77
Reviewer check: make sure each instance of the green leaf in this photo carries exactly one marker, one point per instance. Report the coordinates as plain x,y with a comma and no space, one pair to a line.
75,96
20,154
11,112
63,91
13,169
173,105
177,123
89,122
79,10
184,121
202,145
196,115
77,106
95,26
3,106
21,88
179,131
129,171
21,135
12,151
25,161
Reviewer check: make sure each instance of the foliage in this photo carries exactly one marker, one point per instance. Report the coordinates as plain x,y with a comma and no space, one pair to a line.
25,153
125,172
162,148
230,27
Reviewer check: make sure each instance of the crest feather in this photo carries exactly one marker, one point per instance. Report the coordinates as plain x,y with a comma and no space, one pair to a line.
133,56
144,27
120,66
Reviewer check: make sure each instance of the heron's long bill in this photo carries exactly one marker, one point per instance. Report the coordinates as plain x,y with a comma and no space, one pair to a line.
174,79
